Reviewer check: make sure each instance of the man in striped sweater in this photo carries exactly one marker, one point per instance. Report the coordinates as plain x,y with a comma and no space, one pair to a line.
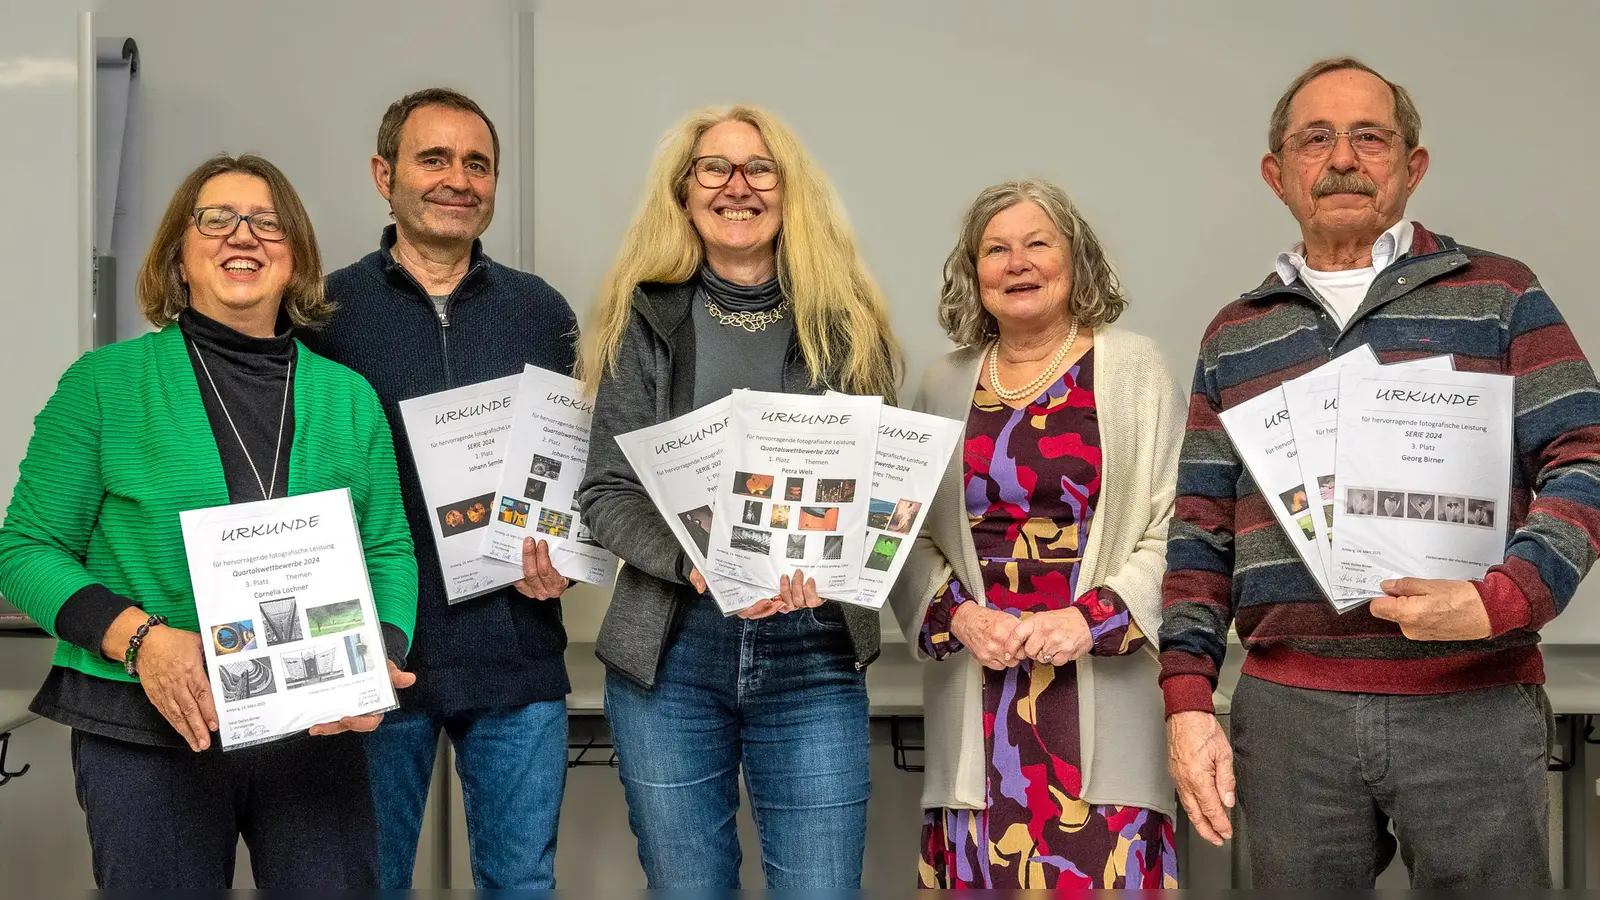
1424,708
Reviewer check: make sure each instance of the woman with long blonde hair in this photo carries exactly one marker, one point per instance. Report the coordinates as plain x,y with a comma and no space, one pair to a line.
739,272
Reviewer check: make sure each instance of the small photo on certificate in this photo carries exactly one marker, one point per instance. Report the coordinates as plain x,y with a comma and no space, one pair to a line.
753,484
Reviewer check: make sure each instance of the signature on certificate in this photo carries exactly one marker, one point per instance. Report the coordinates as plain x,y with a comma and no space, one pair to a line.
246,732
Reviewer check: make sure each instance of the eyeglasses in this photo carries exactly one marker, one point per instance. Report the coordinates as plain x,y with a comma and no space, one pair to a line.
1315,143
219,221
715,171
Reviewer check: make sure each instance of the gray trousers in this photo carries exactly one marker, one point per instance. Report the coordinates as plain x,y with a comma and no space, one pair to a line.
1322,775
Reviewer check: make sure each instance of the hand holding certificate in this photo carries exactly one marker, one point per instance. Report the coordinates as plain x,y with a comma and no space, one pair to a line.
791,494
289,630
546,455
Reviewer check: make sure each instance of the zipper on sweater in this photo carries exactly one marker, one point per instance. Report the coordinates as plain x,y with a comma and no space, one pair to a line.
444,318
1327,308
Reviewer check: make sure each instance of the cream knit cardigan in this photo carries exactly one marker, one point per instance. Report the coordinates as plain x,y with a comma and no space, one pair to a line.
1121,722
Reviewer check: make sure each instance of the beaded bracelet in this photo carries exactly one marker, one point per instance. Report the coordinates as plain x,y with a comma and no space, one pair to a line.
136,640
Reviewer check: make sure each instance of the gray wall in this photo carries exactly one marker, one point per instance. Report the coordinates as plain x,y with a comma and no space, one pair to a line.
1151,114
39,239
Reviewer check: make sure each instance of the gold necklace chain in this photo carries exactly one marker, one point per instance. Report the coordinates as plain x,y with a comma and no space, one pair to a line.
749,321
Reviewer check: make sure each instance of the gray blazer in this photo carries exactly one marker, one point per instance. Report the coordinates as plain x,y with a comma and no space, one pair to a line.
654,382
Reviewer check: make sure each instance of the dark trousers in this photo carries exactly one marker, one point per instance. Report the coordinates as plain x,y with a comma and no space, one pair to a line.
1461,777
171,818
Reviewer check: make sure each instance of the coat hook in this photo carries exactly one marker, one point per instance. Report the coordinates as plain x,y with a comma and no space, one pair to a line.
5,744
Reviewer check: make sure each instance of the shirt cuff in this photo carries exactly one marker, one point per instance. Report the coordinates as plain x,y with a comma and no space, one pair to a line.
1187,693
87,615
1504,602
395,644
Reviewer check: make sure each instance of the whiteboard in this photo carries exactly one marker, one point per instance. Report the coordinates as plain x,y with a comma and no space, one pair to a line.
1152,115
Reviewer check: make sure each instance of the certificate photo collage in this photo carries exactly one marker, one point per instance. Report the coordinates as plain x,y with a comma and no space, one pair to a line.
294,635
515,511
802,510
889,515
1294,501
1395,503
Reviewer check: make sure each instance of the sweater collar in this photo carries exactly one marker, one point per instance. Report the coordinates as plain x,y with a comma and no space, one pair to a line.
739,298
249,355
397,277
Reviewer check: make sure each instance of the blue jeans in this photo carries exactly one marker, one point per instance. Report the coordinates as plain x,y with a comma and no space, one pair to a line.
782,697
513,767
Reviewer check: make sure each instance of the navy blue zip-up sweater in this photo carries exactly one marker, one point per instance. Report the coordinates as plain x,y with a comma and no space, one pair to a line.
501,649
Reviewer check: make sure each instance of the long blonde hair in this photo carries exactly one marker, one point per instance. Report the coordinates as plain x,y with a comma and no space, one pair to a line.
840,316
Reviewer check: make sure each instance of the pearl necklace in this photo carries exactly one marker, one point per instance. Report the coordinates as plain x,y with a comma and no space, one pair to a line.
1032,388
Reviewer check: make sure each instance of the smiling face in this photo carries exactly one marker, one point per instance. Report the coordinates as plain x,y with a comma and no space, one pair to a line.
441,188
231,278
1024,270
1343,195
735,221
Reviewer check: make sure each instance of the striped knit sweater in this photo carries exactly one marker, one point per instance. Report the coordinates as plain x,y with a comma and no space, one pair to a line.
1229,562
124,445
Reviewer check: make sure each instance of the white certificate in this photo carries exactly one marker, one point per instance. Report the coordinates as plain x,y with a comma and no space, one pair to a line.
1313,402
290,634
1424,466
792,493
1260,431
538,495
913,451
458,440
679,463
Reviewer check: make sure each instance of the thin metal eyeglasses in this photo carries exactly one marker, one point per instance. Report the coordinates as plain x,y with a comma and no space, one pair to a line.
1371,142
219,221
715,171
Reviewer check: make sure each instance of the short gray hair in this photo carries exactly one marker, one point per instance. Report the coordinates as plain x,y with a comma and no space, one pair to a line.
1406,114
1096,297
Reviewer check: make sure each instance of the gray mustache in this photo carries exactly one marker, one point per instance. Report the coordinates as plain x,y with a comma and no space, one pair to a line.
1344,183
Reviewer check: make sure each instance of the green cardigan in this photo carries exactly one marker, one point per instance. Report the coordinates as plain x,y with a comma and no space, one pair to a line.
124,445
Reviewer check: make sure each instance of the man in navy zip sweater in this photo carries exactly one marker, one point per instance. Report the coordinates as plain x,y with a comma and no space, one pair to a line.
426,312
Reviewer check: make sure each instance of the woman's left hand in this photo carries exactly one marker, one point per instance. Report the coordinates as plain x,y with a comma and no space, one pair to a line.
1052,638
798,592
366,723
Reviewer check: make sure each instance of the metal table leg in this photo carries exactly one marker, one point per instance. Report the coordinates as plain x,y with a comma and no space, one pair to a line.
1575,806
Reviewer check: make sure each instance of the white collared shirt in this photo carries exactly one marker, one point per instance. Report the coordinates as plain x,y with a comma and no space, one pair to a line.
1342,292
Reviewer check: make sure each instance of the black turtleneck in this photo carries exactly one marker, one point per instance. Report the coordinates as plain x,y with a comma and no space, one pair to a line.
250,375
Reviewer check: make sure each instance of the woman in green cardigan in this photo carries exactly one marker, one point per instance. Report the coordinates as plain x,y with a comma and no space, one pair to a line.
220,405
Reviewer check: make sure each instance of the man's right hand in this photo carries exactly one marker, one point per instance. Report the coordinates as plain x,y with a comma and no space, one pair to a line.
1201,762
985,633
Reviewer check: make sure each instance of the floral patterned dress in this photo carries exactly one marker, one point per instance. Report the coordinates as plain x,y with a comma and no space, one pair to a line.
1032,479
